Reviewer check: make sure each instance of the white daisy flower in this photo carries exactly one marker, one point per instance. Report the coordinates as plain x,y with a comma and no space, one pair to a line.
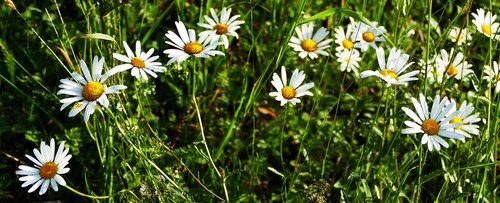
390,72
186,45
434,124
290,92
434,73
466,119
349,60
485,23
88,89
309,45
460,36
223,26
367,35
493,75
49,166
141,63
458,68
345,40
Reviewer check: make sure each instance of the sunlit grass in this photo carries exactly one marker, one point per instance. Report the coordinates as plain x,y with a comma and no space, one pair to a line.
215,126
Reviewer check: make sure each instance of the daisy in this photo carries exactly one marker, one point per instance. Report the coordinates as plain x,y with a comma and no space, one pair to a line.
485,23
49,166
433,124
493,75
88,89
466,120
223,26
345,40
186,45
141,63
464,36
434,73
367,35
390,72
349,60
309,45
458,68
290,92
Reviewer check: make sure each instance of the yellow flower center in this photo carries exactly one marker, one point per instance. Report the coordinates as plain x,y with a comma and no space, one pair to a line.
486,29
430,126
193,48
347,43
138,62
498,77
457,119
459,38
390,73
221,28
48,170
368,36
309,45
288,92
92,91
451,70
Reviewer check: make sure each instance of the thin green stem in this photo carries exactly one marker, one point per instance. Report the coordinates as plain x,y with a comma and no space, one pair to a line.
420,169
282,161
204,140
86,195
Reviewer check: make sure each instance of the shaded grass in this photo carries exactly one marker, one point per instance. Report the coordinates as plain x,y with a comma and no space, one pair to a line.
342,144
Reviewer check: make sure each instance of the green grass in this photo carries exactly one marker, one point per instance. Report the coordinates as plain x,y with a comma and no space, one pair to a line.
207,130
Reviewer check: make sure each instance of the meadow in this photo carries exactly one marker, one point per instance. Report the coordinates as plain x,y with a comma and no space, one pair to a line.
249,101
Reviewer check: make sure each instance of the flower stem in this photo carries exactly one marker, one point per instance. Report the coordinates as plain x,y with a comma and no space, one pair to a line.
86,195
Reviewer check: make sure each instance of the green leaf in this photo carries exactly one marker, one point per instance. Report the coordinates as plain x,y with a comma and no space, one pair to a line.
366,190
275,171
33,135
100,36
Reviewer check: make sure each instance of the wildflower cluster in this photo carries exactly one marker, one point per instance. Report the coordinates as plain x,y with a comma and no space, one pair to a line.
439,114
444,119
89,88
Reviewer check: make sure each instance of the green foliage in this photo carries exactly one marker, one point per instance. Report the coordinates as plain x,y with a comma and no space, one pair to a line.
207,130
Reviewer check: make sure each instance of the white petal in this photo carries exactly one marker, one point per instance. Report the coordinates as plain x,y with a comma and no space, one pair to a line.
52,149
138,48
121,58
412,115
103,100
89,110
130,54
27,170
60,180
35,186
182,31
284,76
304,87
450,134
44,187
85,71
368,73
33,160
33,179
75,111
